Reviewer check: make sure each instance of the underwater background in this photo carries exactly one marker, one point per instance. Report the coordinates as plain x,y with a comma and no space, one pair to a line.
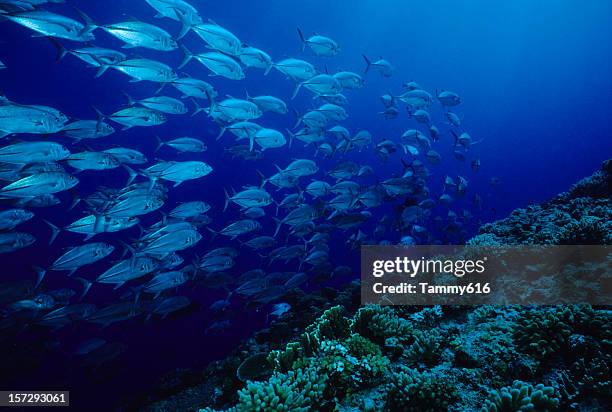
536,94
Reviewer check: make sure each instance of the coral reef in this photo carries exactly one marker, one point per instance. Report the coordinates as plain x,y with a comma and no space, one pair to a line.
449,358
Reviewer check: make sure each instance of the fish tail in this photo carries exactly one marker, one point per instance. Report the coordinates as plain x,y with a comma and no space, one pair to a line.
197,108
291,136
298,118
54,231
227,198
131,174
86,286
187,56
302,38
90,25
368,63
262,178
185,25
213,233
296,90
61,50
278,225
40,275
160,143
130,99
268,69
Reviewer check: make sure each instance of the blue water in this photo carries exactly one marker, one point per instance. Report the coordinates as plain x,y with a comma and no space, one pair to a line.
536,87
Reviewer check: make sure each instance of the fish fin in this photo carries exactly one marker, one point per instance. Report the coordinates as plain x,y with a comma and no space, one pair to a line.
61,50
129,46
88,236
296,90
130,99
118,285
86,286
291,136
185,25
54,231
214,234
368,63
40,275
197,109
268,69
177,183
302,39
103,68
278,225
227,199
187,56
160,143
131,174
90,25
126,127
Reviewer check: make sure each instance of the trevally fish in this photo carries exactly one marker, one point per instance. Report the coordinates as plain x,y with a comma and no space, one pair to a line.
178,172
196,88
163,104
296,69
33,152
139,34
172,242
51,24
240,227
232,109
178,10
39,184
268,139
269,104
218,38
319,84
92,225
92,161
320,45
12,241
128,269
301,167
136,116
250,197
183,144
88,129
189,210
381,65
218,63
142,69
127,156
11,218
254,57
349,80
448,98
35,119
92,55
164,281
82,255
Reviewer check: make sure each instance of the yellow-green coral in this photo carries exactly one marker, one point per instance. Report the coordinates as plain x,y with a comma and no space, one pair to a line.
522,397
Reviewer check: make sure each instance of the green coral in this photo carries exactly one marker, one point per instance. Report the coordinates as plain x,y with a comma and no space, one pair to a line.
522,397
426,348
331,325
410,390
378,323
300,390
545,332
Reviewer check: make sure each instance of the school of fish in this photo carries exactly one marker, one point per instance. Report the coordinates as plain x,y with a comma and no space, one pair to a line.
287,217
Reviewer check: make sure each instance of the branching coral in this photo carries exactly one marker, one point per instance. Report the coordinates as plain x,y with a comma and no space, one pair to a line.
410,390
378,323
522,397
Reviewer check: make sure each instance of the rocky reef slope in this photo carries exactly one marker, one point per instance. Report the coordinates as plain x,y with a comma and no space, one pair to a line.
338,356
